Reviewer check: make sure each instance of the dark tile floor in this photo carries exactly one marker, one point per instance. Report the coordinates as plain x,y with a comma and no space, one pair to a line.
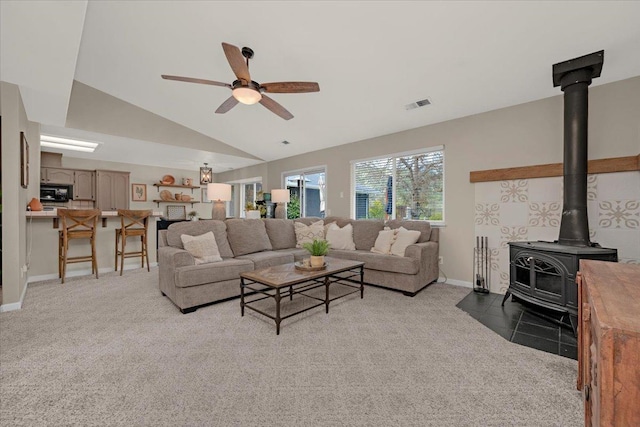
522,323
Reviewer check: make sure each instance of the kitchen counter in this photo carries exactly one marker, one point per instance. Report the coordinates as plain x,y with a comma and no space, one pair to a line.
53,214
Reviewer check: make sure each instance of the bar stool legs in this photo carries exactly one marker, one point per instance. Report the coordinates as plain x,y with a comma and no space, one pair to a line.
77,224
133,223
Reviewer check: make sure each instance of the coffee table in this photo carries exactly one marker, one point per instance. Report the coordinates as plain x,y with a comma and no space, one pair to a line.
281,281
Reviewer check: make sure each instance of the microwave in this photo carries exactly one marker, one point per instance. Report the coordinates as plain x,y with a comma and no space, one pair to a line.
56,193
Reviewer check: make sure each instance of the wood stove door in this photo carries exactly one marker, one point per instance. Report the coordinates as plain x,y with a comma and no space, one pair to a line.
543,275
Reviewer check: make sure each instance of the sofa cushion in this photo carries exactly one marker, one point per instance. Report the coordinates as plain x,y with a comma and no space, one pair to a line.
403,239
384,241
281,233
307,220
197,228
365,232
373,261
308,233
267,259
203,248
227,269
247,236
340,238
298,254
424,227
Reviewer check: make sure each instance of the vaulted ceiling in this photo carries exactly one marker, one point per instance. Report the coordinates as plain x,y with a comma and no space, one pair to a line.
370,59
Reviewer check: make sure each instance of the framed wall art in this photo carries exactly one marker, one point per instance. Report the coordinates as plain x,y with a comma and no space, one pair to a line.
24,161
139,192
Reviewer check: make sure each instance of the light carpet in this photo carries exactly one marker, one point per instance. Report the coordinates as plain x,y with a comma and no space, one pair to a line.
114,352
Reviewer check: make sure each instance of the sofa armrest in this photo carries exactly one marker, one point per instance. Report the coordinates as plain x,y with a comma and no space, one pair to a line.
427,254
172,258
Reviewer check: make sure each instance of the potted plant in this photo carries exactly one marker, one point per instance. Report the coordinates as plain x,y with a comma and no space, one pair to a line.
252,211
193,215
318,249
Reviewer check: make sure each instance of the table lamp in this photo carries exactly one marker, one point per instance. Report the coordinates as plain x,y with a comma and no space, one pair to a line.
280,197
219,194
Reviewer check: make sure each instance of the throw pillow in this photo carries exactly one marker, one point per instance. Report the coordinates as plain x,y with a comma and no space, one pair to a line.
341,238
404,238
308,233
203,248
385,239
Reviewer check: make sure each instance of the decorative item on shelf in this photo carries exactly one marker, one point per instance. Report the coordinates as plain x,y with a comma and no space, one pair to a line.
251,211
206,176
187,181
166,195
193,216
176,212
168,180
318,249
178,196
281,197
185,198
219,193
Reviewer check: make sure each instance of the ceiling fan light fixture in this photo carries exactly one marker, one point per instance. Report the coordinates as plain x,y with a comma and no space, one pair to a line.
246,95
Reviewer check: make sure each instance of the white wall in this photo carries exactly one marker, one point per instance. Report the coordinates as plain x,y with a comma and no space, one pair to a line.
523,135
14,197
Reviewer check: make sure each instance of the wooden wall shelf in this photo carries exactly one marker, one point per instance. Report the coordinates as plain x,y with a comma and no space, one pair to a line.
179,202
615,164
158,184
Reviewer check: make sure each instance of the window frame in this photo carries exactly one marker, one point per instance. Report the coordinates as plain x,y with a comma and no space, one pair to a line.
352,198
308,171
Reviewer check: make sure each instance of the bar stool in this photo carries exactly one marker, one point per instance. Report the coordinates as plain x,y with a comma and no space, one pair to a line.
132,223
77,224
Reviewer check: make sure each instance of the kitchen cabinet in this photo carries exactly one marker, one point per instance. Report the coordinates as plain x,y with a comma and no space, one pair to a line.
112,190
84,185
609,343
56,176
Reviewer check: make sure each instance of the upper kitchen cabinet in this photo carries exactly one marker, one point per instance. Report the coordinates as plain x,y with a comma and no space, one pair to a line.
56,176
84,185
112,190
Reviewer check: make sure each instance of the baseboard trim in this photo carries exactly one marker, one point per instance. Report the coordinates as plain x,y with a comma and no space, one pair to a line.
86,272
15,305
455,282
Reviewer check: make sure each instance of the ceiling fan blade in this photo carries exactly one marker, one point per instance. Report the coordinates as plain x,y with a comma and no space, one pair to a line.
291,87
227,105
276,108
237,62
193,80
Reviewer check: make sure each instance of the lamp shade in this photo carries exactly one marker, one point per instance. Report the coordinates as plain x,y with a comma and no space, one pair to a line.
217,191
280,196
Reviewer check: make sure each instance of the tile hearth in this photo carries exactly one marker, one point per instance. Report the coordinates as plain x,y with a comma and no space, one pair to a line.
518,323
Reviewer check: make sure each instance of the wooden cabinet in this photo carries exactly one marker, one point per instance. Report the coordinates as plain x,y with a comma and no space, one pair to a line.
56,176
84,185
112,190
609,343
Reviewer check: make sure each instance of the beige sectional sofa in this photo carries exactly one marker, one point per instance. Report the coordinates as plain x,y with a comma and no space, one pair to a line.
251,244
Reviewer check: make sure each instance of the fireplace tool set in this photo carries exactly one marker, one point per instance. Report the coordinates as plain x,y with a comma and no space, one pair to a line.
481,265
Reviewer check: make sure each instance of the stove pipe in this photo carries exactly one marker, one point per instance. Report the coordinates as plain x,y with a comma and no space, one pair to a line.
574,77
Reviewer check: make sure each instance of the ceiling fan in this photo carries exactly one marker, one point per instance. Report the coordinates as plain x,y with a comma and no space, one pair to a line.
247,91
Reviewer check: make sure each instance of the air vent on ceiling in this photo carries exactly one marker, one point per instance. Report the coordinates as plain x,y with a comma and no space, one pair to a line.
418,104
285,142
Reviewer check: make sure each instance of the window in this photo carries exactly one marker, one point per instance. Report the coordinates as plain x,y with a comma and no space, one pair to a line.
250,193
401,186
308,193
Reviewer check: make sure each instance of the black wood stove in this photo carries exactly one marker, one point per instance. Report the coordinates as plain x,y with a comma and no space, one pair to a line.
544,273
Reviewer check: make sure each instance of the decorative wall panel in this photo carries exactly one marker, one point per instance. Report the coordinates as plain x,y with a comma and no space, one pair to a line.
531,209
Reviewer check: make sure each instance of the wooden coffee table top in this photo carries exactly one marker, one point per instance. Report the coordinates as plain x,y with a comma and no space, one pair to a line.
286,274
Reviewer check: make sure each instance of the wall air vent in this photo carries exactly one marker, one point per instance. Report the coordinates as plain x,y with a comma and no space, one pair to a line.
418,104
